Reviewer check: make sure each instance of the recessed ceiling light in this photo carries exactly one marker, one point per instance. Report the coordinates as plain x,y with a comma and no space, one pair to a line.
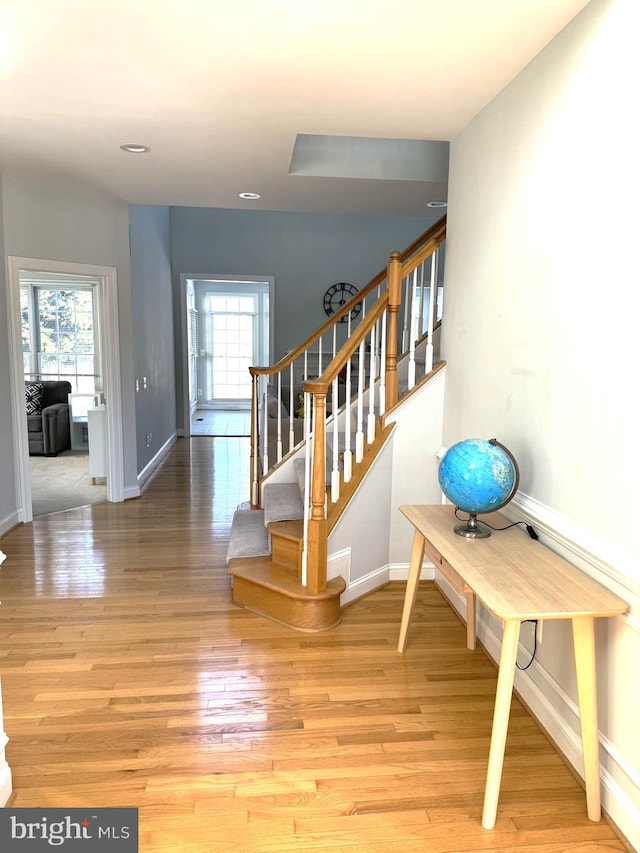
135,148
436,204
250,195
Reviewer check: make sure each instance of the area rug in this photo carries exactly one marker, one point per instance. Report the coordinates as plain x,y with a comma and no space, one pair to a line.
63,482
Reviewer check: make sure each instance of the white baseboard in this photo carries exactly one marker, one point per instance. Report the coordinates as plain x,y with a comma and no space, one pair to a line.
559,717
339,563
400,571
151,466
6,787
612,566
364,585
9,521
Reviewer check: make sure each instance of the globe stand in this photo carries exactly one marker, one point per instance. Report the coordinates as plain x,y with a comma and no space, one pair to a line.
471,530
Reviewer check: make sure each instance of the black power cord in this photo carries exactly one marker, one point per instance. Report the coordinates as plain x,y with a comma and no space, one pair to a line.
535,645
532,533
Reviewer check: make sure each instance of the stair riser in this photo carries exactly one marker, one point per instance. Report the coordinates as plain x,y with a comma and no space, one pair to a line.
300,614
287,552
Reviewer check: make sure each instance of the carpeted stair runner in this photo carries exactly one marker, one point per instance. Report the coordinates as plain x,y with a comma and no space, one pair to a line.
298,466
282,502
249,537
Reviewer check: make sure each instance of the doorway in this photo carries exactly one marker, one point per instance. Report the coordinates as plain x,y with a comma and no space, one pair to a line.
60,343
228,328
68,298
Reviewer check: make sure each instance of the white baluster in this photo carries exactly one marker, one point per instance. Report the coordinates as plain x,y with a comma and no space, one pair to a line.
428,366
346,464
306,497
421,328
411,375
383,363
291,409
335,469
407,308
279,421
256,444
371,418
265,440
359,427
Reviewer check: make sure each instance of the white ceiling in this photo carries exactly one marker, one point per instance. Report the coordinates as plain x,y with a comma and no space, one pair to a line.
219,90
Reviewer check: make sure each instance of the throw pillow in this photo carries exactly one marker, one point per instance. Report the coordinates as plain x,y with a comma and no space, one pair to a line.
33,392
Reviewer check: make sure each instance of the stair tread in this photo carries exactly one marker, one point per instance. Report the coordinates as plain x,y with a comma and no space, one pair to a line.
249,537
282,502
263,571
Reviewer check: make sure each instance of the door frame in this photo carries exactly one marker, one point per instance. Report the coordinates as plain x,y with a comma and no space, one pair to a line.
108,328
184,317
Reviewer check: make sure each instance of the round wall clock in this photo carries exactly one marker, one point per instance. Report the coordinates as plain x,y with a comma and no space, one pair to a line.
338,295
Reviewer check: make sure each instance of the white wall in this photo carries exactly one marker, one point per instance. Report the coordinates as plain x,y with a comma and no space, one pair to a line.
59,218
8,498
540,334
358,545
416,441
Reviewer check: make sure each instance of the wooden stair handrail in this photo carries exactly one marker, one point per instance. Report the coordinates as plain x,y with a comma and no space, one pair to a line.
433,236
348,349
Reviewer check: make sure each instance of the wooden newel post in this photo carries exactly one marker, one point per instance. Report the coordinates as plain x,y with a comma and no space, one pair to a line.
317,537
394,280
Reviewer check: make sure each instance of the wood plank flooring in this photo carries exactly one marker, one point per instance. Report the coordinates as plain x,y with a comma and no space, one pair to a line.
130,679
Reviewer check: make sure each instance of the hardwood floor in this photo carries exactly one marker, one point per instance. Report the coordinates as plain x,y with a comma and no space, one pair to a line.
130,679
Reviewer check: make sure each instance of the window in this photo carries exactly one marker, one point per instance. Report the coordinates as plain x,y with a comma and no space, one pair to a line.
58,335
232,346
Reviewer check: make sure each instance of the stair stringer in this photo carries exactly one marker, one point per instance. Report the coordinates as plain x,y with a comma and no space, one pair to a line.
371,543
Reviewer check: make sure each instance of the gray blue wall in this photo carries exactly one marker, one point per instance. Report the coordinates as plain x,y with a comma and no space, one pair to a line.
306,253
152,318
63,219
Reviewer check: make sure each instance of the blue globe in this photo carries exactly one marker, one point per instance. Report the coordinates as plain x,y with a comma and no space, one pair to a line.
478,475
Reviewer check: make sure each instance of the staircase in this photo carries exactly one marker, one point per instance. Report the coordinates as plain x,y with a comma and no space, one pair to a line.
277,555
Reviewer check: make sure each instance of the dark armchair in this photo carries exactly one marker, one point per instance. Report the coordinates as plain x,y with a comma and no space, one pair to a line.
48,417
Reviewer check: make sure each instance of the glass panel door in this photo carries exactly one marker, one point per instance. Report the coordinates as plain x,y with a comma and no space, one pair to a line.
232,327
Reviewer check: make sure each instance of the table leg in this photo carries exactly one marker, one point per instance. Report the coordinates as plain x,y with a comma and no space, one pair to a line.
471,619
584,650
415,567
508,653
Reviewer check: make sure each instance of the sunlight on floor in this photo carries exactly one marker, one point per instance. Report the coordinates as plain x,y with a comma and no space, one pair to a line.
214,422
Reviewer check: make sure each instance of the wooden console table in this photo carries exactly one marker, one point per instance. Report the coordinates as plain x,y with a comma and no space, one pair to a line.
516,578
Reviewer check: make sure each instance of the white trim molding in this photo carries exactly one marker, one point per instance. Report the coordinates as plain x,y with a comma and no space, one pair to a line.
147,472
6,787
598,557
548,700
9,522
108,325
400,571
